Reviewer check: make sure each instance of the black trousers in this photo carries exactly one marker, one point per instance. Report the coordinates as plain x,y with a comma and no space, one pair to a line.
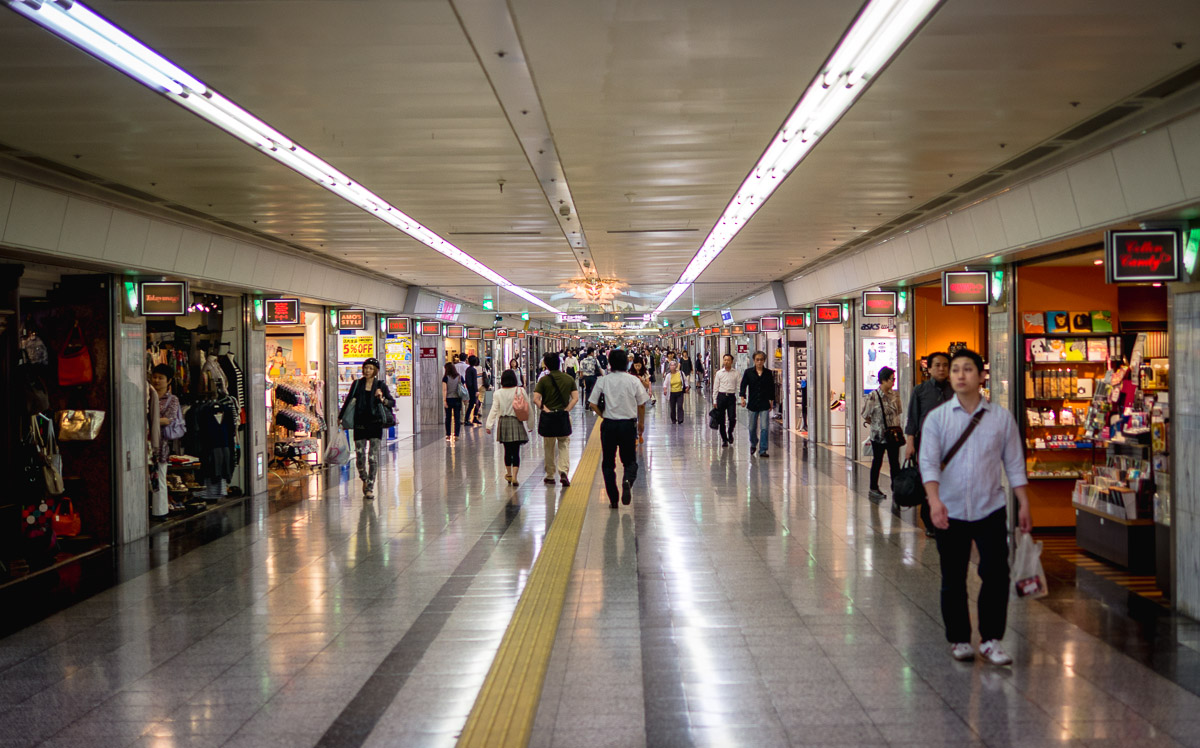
727,404
474,409
676,407
893,455
618,435
990,535
453,410
588,384
512,454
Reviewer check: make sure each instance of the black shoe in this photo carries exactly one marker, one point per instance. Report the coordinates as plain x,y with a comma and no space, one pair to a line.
612,501
548,481
929,533
626,494
563,479
763,454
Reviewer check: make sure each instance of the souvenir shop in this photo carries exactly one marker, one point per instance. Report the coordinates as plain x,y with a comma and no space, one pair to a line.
195,353
295,386
1094,390
56,336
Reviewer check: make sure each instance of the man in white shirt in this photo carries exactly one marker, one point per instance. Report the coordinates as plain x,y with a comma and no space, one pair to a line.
725,390
624,420
460,366
968,504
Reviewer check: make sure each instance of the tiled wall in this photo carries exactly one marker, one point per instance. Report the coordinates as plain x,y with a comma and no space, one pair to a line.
1185,454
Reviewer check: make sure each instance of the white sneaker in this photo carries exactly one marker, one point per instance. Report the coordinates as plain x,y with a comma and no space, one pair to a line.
962,651
994,653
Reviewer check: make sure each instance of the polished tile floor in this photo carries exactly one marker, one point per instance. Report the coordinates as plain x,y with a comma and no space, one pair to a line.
738,601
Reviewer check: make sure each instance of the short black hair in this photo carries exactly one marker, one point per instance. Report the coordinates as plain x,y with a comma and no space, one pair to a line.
886,373
551,361
968,353
472,360
508,378
618,360
943,354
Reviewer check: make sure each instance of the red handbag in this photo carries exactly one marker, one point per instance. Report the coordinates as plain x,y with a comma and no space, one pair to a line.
74,361
67,521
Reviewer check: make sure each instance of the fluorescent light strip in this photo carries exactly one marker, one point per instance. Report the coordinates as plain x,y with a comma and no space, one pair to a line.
83,28
877,34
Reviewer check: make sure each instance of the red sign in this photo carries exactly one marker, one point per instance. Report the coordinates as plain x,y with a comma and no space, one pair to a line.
743,348
429,353
794,321
1141,256
397,325
829,314
520,334
282,311
769,324
474,333
751,327
489,334
965,287
431,328
351,319
879,303
502,332
456,331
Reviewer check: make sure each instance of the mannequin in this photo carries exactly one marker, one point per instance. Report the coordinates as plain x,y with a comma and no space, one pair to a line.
237,380
212,374
216,421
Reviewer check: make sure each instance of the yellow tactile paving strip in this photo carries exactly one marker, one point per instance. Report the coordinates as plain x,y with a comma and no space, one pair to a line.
504,711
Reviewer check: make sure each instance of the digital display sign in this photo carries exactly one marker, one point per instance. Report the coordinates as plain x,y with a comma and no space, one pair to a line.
965,287
879,303
162,298
751,327
502,332
795,321
489,334
396,325
474,333
1142,256
352,319
456,331
829,314
769,324
282,311
431,328
737,330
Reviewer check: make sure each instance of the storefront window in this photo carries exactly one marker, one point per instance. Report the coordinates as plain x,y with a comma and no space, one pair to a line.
296,414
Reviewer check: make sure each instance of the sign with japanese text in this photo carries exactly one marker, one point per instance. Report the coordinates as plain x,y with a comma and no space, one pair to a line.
1142,256
282,311
357,347
795,321
737,330
456,331
404,387
879,303
829,314
428,352
965,287
489,334
502,332
474,333
751,327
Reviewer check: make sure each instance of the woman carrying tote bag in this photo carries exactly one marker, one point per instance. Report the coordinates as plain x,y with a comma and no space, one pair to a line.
881,414
509,404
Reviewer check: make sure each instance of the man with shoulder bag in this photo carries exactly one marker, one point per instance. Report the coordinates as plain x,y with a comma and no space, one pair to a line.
925,397
554,396
624,414
968,445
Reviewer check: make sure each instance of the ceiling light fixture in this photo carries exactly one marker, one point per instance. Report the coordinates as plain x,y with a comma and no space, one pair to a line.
877,34
75,23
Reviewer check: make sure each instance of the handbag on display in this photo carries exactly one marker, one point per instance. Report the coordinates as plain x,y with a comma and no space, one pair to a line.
66,521
74,360
50,458
79,425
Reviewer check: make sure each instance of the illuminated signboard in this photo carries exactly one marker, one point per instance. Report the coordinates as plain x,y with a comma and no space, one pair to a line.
572,318
520,334
829,314
282,311
489,334
879,303
448,310
769,324
751,327
965,287
737,330
396,325
431,328
351,319
163,298
1141,256
474,333
455,331
502,332
795,321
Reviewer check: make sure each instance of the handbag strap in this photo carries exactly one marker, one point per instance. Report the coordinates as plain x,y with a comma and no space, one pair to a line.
560,394
962,439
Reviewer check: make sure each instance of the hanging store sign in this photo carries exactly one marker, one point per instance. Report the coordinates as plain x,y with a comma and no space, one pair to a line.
502,332
474,333
751,328
795,321
879,303
1142,256
357,347
282,311
737,330
489,334
520,334
726,316
431,328
455,331
163,298
829,314
352,319
396,325
769,324
965,287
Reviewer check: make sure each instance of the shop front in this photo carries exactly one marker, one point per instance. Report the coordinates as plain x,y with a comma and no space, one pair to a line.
398,372
795,371
297,415
828,381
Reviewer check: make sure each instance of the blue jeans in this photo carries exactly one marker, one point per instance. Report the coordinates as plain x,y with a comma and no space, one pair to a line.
759,421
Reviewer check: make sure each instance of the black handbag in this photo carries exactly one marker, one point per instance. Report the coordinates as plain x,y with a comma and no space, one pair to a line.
714,418
893,436
908,489
555,423
383,414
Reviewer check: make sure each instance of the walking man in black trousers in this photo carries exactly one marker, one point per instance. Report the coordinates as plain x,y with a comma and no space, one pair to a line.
624,419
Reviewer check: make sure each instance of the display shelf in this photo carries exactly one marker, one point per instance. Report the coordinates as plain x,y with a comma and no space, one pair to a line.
1113,517
1071,476
1070,334
1058,449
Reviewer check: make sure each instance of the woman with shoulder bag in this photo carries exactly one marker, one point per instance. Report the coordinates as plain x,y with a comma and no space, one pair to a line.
510,409
372,404
454,391
881,414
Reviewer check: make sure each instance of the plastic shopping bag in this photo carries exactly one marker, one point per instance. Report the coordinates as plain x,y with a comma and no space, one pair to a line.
1028,578
338,451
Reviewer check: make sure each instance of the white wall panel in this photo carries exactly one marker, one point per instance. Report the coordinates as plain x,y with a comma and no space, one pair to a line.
126,243
220,258
36,217
284,275
918,242
1020,219
162,245
939,242
962,235
989,227
244,259
193,252
1097,190
886,261
1185,142
1149,175
901,252
84,229
866,274
6,192
1054,205
264,271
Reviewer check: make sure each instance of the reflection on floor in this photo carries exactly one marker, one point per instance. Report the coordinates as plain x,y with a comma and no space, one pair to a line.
1064,547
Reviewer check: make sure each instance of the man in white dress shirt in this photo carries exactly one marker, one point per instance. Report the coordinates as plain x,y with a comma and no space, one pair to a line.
725,390
624,419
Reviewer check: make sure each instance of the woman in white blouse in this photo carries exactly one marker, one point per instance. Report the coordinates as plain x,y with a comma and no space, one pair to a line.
511,432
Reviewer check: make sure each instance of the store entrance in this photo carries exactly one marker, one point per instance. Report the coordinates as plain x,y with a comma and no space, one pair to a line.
295,395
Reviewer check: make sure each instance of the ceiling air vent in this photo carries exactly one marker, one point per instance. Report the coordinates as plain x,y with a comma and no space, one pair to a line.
978,182
1099,122
1028,157
647,231
46,163
131,192
1174,84
188,211
937,202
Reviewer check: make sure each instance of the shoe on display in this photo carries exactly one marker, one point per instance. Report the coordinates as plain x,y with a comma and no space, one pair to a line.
994,653
962,651
626,494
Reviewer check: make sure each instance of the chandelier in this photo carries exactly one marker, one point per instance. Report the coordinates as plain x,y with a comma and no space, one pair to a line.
594,289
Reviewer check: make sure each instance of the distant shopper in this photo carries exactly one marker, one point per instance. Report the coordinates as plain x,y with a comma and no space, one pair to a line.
460,365
675,384
474,381
368,423
589,371
639,370
452,399
515,367
168,424
699,370
571,364
758,396
624,422
511,432
968,504
554,396
881,413
725,391
925,398
685,364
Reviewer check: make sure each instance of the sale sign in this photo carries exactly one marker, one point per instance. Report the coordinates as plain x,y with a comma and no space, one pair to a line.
1142,256
357,347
